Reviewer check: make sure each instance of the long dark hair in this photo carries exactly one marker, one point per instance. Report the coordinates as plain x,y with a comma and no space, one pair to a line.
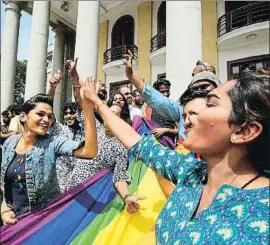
251,103
125,114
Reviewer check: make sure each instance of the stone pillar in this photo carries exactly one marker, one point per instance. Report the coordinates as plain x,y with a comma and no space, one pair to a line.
183,43
69,55
87,38
9,52
58,64
37,57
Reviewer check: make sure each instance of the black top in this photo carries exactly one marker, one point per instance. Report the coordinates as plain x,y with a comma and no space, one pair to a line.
16,194
162,121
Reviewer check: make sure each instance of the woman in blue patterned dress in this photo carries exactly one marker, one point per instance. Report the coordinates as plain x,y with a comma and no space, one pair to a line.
224,199
28,171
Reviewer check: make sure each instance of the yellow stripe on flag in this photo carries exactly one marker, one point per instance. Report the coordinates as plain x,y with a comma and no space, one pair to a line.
132,229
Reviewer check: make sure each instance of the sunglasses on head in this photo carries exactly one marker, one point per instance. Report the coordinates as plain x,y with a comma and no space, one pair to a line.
201,87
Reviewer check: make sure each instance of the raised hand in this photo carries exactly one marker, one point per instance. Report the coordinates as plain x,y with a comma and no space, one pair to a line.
99,84
55,79
71,67
88,91
132,204
127,61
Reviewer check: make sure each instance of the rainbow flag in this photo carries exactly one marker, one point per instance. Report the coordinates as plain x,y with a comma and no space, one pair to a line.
93,212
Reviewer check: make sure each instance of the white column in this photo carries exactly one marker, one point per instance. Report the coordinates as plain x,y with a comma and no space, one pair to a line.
87,38
184,43
9,52
37,58
58,64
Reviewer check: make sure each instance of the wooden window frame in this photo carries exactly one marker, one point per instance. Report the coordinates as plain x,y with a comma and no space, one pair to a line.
243,60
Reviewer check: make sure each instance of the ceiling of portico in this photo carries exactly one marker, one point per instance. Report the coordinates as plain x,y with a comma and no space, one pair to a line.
70,18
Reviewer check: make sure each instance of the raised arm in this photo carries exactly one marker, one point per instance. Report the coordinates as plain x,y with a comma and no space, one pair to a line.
124,132
166,106
165,161
89,150
71,67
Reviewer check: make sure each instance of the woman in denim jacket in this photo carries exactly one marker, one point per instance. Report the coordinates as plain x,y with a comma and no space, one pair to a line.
28,171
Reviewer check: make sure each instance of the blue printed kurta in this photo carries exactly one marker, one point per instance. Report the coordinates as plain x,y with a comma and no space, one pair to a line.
236,216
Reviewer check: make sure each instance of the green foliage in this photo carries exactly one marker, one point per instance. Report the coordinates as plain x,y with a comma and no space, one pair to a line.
20,80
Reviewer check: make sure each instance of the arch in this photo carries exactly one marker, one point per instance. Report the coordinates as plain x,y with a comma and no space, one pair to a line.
123,31
161,17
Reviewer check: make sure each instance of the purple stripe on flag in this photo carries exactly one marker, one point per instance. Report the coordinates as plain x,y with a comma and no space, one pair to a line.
138,122
38,218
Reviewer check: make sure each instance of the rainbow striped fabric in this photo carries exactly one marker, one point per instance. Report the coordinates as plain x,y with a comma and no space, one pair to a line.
93,212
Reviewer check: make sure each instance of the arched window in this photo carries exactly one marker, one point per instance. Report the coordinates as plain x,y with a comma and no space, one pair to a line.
161,17
123,31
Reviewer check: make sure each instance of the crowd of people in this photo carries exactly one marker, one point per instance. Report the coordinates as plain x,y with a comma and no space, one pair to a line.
219,163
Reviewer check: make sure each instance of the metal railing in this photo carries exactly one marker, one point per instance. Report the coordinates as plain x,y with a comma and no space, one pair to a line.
116,53
244,16
158,41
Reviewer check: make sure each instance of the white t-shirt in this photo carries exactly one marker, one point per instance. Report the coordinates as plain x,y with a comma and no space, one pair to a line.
134,112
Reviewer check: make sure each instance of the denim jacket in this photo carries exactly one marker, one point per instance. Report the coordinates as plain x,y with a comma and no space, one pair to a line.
40,167
165,106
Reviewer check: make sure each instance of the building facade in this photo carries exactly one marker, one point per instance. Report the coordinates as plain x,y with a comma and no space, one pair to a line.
166,38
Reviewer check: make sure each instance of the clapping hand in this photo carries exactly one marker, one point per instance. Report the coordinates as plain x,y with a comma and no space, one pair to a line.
127,61
88,91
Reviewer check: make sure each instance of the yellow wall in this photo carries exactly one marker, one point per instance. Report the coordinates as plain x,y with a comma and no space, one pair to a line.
144,36
209,32
102,47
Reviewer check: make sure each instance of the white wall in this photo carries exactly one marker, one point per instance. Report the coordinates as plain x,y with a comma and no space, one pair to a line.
245,51
155,7
157,69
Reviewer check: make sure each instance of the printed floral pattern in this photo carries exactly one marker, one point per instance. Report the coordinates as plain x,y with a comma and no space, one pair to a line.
236,216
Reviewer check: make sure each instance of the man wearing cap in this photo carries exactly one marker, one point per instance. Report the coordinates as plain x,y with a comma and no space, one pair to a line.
167,107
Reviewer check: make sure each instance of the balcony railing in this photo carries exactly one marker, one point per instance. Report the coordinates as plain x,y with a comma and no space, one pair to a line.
116,53
158,41
244,16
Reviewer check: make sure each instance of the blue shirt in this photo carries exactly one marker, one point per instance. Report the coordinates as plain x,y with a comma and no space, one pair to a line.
236,216
165,106
40,167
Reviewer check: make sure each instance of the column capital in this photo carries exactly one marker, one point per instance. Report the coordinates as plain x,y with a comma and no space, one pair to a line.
60,29
17,6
